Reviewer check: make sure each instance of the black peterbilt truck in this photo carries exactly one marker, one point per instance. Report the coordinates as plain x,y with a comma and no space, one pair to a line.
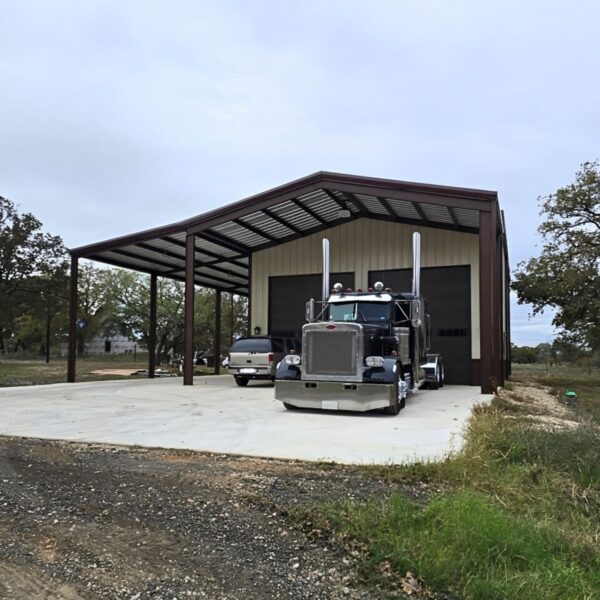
361,350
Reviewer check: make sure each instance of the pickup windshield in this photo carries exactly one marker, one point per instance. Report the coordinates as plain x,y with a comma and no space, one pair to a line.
361,312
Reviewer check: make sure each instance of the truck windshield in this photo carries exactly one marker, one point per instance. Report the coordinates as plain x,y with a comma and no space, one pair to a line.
359,311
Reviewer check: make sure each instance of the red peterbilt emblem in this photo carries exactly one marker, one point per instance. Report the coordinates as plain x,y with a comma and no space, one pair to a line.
330,326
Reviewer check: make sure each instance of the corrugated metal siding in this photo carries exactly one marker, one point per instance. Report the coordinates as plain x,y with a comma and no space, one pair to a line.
366,245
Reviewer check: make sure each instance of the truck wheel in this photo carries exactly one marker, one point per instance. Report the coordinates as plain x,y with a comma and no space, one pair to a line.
439,377
399,403
241,381
291,406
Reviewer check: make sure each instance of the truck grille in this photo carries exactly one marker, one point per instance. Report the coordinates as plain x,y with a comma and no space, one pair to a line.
332,354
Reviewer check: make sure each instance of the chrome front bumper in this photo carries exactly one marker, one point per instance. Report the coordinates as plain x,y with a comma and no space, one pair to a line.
334,395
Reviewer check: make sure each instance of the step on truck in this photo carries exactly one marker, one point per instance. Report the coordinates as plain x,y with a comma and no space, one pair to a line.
361,350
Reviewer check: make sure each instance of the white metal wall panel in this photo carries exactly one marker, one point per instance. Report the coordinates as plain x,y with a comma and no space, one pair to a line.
366,245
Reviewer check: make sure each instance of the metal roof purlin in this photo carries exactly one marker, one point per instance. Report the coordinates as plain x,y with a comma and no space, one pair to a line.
227,236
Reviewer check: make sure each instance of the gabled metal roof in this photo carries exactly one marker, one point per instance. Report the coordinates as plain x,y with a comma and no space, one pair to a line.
226,237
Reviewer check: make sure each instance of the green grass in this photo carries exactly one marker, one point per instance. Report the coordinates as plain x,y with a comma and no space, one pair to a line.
463,544
560,379
515,515
14,372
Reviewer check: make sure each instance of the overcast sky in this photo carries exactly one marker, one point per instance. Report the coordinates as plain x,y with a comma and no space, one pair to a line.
120,116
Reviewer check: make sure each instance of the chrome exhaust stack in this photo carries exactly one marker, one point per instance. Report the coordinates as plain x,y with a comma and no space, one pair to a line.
416,304
325,287
416,267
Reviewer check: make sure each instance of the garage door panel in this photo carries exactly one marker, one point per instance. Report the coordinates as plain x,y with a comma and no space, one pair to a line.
288,296
448,294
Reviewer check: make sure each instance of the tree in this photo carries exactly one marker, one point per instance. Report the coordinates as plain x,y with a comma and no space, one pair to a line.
566,275
28,258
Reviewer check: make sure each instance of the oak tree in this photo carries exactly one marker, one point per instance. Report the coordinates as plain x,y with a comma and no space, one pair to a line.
566,275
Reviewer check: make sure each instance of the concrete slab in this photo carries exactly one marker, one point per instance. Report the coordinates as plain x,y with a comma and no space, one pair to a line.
216,416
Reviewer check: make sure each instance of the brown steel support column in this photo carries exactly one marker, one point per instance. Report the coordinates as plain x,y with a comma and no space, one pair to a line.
217,332
152,327
188,333
73,301
249,327
487,303
496,299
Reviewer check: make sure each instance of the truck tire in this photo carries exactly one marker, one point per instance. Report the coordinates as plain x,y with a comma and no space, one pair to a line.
439,381
399,403
241,381
291,406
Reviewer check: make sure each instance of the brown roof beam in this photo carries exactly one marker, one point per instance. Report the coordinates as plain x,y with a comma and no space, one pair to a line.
162,251
362,209
309,211
218,257
332,197
253,229
453,216
430,224
222,240
116,263
387,206
435,195
419,210
281,221
135,256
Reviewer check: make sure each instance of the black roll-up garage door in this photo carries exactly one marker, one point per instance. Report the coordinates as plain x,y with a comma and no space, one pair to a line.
448,294
288,295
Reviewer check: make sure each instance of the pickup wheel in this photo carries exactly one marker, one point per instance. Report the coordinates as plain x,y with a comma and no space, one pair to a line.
241,381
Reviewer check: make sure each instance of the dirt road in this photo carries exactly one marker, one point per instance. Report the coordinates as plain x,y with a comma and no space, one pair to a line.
91,521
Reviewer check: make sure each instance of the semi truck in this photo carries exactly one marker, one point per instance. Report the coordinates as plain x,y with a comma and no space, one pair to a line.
361,350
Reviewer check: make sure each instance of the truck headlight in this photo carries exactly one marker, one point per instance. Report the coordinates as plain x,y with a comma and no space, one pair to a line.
374,361
292,359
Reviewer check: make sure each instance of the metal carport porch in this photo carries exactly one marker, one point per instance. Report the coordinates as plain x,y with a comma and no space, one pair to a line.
215,249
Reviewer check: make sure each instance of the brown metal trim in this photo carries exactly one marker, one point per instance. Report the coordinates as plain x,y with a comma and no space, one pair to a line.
188,331
498,300
217,332
73,305
152,326
486,304
508,366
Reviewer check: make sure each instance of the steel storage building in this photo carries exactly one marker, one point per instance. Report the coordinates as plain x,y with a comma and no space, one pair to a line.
268,247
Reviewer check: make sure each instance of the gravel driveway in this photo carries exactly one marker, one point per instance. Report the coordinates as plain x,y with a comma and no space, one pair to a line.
96,521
